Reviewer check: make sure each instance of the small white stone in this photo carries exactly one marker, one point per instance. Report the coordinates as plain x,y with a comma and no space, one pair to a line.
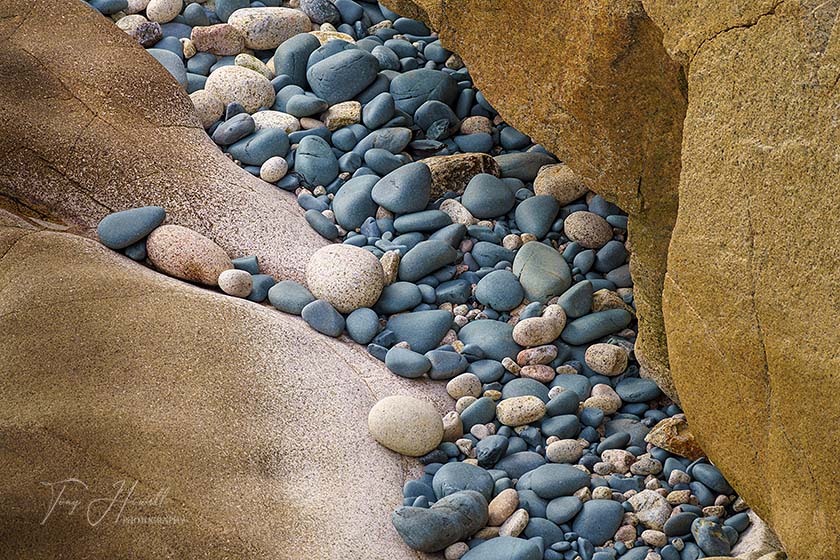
274,169
237,283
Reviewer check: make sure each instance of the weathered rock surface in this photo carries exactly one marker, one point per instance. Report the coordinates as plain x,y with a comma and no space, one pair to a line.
220,418
87,133
609,103
751,293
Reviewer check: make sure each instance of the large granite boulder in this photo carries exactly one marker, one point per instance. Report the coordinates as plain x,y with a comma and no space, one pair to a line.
243,429
92,124
750,299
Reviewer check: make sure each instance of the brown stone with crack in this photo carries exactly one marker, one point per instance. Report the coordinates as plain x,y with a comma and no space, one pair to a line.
593,84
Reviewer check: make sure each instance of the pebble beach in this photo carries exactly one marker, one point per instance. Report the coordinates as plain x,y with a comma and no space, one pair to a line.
463,252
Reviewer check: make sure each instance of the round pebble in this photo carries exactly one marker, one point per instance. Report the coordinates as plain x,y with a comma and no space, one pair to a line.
348,277
406,425
235,283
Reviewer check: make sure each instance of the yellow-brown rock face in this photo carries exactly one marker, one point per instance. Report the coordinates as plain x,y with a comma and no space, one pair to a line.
751,297
593,83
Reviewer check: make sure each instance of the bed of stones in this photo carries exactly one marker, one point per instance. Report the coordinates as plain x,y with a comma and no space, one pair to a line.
467,254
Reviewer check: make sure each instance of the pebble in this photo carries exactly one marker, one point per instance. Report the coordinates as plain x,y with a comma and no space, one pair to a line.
292,56
362,325
536,214
505,548
559,181
208,107
493,337
564,451
455,477
346,276
553,480
276,119
590,328
449,520
423,330
173,64
500,290
323,317
455,551
466,384
590,230
537,331
598,521
502,507
651,509
413,88
425,258
290,297
406,425
515,524
342,76
542,271
220,39
235,283
637,390
315,161
518,411
259,147
163,11
606,359
711,477
273,169
320,11
486,196
342,114
457,212
231,84
267,28
404,190
577,300
186,254
710,537
127,227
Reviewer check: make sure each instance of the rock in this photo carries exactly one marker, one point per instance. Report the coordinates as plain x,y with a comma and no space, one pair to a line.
342,114
407,363
673,435
535,331
362,325
536,214
598,521
518,411
619,459
315,161
221,39
121,229
425,258
224,8
590,230
342,76
711,476
710,537
515,524
636,390
542,271
173,64
267,28
464,385
208,107
554,480
251,62
651,508
606,359
594,326
404,190
186,254
353,203
505,548
346,276
235,283
233,83
406,425
456,477
500,290
163,11
493,337
413,88
486,196
292,56
457,212
323,317
273,169
502,507
449,520
523,165
454,172
564,450
577,300
559,181
320,11
423,330
276,119
290,297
